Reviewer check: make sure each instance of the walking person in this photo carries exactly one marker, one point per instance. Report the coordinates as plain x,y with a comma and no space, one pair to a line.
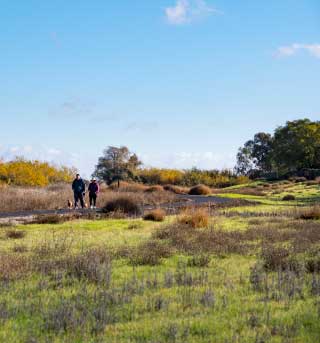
93,192
79,188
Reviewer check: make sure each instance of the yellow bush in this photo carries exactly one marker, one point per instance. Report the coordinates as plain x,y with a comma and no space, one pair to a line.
21,172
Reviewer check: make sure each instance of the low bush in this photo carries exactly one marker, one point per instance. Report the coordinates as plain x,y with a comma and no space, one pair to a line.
12,267
123,204
15,234
289,197
274,258
199,261
52,219
195,218
157,215
197,241
313,265
200,190
93,265
312,213
150,253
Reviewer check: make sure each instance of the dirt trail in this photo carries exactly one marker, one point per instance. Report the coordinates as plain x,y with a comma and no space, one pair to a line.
181,201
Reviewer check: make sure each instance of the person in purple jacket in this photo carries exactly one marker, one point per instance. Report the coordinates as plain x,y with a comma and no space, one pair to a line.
93,190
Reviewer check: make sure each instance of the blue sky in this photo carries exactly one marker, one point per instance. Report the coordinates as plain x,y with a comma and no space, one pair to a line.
181,83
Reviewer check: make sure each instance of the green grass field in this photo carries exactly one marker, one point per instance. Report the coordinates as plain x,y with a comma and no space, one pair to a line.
250,275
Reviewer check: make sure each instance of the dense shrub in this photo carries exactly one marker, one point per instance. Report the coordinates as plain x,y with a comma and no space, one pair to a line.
200,190
157,215
289,197
124,204
191,177
22,172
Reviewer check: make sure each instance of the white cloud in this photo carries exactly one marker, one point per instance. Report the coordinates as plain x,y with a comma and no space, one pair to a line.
293,49
185,160
187,11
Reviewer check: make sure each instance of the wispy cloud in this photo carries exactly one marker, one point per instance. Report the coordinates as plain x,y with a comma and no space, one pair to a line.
293,49
187,11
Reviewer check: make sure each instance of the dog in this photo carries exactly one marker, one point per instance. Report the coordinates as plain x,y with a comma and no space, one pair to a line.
70,204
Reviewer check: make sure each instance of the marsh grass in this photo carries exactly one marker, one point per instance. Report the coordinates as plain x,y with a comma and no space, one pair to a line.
239,279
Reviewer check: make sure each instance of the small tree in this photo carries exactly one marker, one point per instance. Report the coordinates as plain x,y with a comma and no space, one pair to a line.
117,164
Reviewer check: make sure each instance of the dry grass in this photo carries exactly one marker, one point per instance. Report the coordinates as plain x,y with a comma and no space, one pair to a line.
312,213
157,215
28,199
176,189
124,204
200,190
14,199
155,188
194,217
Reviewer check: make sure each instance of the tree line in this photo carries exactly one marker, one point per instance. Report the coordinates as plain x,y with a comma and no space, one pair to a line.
119,164
293,149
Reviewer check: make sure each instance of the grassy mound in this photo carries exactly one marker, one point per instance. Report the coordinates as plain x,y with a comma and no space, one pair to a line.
157,215
123,204
200,190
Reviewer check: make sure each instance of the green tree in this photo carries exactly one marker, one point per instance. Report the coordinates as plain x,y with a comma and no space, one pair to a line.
256,154
297,146
117,164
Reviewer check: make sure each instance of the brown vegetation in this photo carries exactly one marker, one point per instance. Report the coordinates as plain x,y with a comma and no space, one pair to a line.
200,190
157,215
124,204
194,217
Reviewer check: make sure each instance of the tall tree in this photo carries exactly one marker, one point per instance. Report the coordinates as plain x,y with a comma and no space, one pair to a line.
297,145
117,164
255,154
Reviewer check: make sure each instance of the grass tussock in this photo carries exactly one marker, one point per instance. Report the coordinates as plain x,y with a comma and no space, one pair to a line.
124,204
157,215
194,217
200,190
190,240
15,233
150,253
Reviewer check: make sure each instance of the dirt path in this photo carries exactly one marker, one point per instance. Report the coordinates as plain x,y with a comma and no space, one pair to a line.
181,201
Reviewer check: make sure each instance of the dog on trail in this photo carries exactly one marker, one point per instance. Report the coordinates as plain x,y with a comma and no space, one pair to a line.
70,204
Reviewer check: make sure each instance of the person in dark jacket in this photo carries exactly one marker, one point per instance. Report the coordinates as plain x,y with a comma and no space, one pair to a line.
79,189
93,192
